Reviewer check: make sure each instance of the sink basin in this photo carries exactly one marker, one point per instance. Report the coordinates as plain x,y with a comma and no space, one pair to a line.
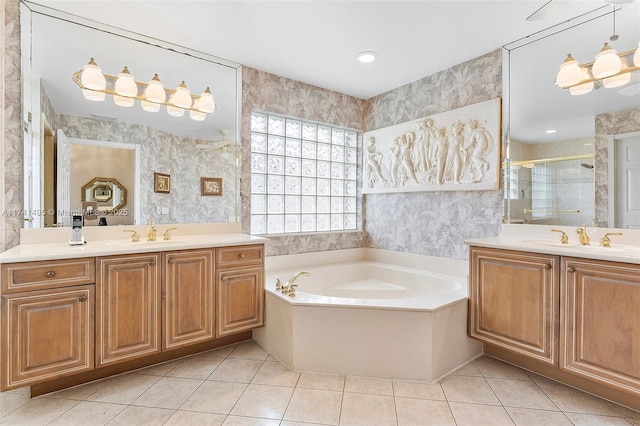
614,249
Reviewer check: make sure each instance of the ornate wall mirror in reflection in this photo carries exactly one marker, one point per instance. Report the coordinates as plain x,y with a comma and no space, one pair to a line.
54,46
107,193
558,151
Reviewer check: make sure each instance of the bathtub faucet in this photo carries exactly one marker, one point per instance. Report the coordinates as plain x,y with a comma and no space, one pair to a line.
290,288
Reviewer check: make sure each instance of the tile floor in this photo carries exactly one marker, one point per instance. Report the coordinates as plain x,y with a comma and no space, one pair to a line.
244,385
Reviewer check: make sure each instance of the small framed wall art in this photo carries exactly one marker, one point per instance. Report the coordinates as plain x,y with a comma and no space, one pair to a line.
211,186
162,183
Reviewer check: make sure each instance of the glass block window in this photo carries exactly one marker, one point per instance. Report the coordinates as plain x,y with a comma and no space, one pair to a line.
303,176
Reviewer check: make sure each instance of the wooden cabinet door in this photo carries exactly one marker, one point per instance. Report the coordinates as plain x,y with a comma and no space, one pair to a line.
239,299
600,322
46,335
127,307
187,297
514,301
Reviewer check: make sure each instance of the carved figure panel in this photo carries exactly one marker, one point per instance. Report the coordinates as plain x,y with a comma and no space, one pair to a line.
457,150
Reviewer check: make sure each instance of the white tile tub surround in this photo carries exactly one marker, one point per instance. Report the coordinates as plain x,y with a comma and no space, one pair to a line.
308,333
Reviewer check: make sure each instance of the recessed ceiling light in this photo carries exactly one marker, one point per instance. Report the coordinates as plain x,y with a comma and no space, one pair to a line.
366,57
550,131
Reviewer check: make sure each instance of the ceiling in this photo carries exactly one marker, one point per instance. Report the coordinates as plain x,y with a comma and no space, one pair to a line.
316,42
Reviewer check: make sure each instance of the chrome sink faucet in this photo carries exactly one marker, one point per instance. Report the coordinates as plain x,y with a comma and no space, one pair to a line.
582,235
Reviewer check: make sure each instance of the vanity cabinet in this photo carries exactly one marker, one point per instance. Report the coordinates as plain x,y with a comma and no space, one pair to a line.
513,301
239,289
47,320
575,320
127,307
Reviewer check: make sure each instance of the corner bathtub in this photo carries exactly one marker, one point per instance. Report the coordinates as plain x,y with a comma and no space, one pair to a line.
367,317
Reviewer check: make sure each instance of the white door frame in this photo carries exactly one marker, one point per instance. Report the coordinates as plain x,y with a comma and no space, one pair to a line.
611,153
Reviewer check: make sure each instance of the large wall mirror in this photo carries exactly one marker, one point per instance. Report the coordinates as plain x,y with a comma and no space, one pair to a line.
54,46
562,167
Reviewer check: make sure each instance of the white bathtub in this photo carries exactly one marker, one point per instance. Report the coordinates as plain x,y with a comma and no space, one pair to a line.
371,313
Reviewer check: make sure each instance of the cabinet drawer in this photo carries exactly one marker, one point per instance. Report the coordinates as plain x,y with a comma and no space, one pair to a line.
25,276
239,255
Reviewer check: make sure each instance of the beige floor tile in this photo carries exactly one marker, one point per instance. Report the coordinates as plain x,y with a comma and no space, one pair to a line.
38,411
249,421
321,381
89,413
470,389
79,392
236,370
275,374
196,367
412,412
632,415
469,369
11,401
214,397
314,406
268,402
574,401
249,350
480,415
520,393
192,418
538,378
529,417
123,389
581,419
140,416
368,385
491,367
158,369
224,351
367,410
168,392
419,390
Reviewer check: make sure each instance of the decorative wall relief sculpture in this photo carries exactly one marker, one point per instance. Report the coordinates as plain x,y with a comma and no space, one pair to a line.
457,150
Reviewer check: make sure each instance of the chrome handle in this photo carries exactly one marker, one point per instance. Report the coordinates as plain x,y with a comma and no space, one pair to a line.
242,256
224,278
171,261
50,274
82,299
570,269
152,263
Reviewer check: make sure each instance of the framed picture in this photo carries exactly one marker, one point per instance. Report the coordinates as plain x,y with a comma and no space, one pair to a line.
161,183
211,186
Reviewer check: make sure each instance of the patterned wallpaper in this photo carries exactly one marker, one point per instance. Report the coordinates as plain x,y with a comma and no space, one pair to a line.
434,223
613,123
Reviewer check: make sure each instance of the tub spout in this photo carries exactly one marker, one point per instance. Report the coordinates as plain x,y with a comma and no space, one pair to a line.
290,286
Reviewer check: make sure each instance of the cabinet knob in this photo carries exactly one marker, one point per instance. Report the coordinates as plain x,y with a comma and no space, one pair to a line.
547,266
50,274
242,256
152,263
570,269
224,278
82,299
171,261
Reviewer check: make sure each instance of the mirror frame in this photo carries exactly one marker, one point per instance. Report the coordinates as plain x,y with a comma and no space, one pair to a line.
97,182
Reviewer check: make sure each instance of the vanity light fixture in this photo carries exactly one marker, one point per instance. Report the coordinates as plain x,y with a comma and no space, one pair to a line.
126,90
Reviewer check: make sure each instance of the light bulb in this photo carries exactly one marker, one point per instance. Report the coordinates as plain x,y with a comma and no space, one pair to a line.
607,62
197,115
150,106
636,56
182,97
206,102
122,101
92,77
126,84
570,73
584,88
155,90
93,96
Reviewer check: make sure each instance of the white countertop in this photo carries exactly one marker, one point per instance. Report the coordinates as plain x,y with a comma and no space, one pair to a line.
540,239
36,249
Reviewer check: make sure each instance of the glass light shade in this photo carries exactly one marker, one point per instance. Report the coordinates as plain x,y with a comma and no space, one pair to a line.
636,56
206,102
94,96
616,80
174,111
607,63
570,73
126,84
150,106
584,88
182,97
92,77
197,115
122,101
155,90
